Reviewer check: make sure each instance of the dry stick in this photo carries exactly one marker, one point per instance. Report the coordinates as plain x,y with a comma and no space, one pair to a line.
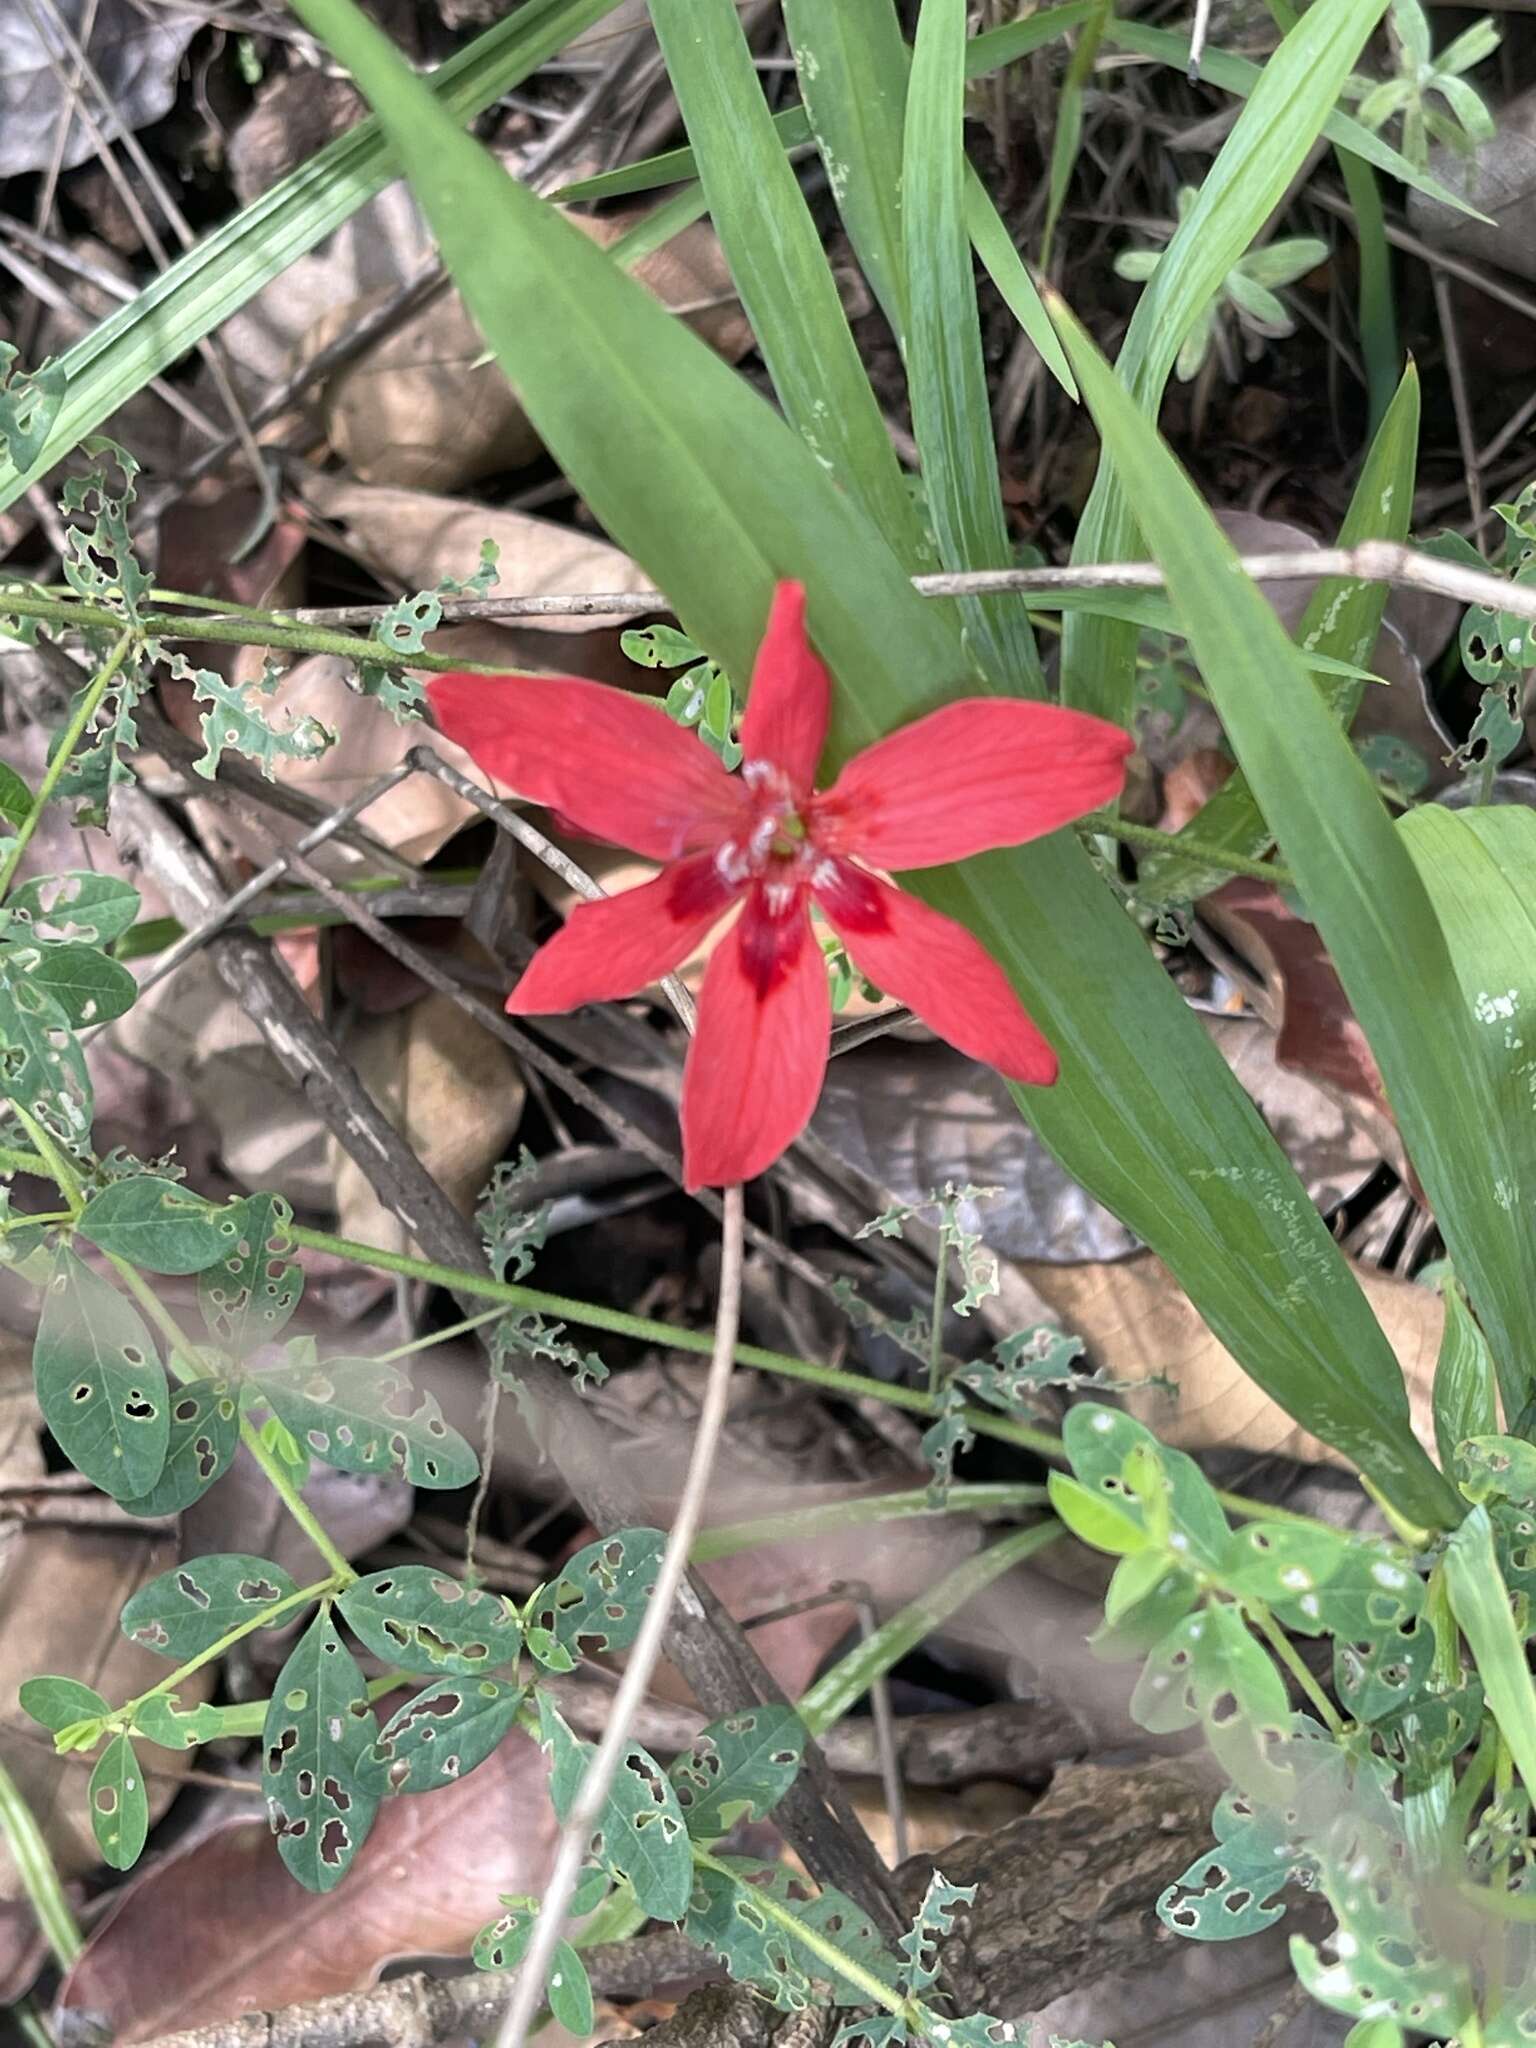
1466,434
706,1645
586,1809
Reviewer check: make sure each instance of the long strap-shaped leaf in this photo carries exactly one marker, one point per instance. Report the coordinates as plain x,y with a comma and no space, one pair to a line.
776,260
1358,879
703,483
1266,148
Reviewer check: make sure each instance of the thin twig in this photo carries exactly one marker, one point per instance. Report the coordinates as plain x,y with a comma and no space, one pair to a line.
1461,402
576,1835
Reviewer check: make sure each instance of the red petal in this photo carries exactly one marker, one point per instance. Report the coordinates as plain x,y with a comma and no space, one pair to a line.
620,946
937,969
756,1063
988,771
613,764
791,695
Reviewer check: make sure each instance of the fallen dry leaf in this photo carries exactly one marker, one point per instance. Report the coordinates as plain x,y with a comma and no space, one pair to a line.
1138,1323
222,1929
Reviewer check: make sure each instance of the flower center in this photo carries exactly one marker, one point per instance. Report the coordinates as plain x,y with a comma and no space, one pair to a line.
776,843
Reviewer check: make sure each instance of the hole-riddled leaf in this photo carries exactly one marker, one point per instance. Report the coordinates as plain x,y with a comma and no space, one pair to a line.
1497,1468
1378,1671
1429,1731
88,987
119,1805
248,1296
440,1736
425,1621
60,1702
365,1417
90,909
1320,1581
42,1067
205,1433
599,1599
159,1225
725,1916
318,1731
567,1988
934,1919
1098,1442
640,1833
101,1387
185,1610
738,1768
1209,1670
1234,1889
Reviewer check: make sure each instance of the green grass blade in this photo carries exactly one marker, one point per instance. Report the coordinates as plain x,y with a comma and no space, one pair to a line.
1342,620
1356,875
946,375
702,482
1005,266
1480,1603
776,258
1069,125
1290,104
220,273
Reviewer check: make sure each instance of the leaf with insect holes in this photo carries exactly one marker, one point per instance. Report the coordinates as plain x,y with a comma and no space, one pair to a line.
159,1225
424,1621
567,1988
16,799
204,1436
1099,1440
187,1609
233,722
725,1915
403,629
248,1297
640,1835
29,404
440,1735
1234,1889
1209,1670
1377,1672
60,1702
599,1599
1321,1581
1429,1731
738,1768
119,1805
99,561
88,987
42,1066
1497,1468
1026,1362
86,908
317,1734
934,1919
513,1232
362,1416
101,1387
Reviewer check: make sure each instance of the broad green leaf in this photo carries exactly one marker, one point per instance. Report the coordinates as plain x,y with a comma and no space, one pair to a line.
424,1621
88,987
1290,103
946,375
204,1436
1465,1388
249,1296
42,1066
1234,1889
567,1988
1354,871
698,479
60,1702
738,1768
640,1834
159,1225
1342,620
774,251
119,1805
362,1416
100,1384
599,1599
87,908
1209,1670
1322,1581
317,1733
15,797
1480,1603
440,1736
1092,1518
219,274
1099,1440
189,1608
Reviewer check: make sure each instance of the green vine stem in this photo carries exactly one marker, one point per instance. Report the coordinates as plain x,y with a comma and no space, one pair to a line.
69,739
39,1873
726,1538
1287,1653
1153,841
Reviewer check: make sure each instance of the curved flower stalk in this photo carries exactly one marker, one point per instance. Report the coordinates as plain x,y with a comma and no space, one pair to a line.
980,773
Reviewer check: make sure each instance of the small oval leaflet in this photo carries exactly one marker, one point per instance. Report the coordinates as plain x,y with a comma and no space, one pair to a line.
440,1736
739,1767
1234,1889
1098,1441
640,1833
101,1387
119,1805
249,1294
567,1988
42,1065
187,1609
60,1702
88,987
365,1417
80,905
318,1730
599,1599
204,1436
725,1915
159,1225
422,1620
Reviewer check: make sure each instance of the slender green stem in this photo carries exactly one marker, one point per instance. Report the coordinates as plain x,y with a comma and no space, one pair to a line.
1277,1639
1148,837
936,1333
838,1962
12,1161
39,1874
69,739
60,1169
30,2024
795,1524
262,1618
460,1329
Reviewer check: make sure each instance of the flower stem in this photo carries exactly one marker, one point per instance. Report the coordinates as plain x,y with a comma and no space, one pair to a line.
69,739
1153,841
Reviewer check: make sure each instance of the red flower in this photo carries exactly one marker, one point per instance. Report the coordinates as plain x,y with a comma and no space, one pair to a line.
984,772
